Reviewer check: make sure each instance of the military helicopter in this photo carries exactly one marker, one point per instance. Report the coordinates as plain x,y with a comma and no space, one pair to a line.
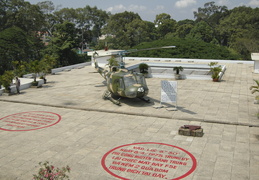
121,82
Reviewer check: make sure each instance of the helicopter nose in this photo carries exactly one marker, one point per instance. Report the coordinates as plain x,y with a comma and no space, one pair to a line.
141,90
134,92
131,92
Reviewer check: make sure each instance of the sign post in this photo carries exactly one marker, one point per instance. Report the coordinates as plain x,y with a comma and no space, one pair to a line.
169,92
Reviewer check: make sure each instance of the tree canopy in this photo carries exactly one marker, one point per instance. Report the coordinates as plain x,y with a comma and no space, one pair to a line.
185,48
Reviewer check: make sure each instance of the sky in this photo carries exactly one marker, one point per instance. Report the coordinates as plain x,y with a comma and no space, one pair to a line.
148,9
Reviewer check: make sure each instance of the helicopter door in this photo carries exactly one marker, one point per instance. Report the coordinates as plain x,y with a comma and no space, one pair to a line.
109,84
141,80
120,87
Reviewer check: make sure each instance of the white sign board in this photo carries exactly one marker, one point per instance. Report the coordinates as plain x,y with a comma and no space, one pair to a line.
169,91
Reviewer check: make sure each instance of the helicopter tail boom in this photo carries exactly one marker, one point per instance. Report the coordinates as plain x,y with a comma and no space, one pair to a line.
103,72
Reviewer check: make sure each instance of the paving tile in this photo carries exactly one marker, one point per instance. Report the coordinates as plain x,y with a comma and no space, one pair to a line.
221,174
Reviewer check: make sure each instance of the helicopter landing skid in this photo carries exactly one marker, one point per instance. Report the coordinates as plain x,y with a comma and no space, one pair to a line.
145,100
107,95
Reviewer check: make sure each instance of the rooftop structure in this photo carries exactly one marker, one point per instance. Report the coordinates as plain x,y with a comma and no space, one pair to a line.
102,56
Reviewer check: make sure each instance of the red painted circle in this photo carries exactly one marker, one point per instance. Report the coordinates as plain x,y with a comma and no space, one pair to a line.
144,161
28,121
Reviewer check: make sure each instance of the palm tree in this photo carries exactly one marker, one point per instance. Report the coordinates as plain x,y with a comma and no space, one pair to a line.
112,62
255,88
178,69
215,70
35,68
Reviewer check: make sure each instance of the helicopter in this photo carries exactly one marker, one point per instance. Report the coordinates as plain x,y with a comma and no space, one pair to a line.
121,82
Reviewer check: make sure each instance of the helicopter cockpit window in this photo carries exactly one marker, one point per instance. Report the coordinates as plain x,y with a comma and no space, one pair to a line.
129,80
121,84
141,80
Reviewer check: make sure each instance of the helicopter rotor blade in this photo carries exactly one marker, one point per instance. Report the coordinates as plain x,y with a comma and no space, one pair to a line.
136,50
123,52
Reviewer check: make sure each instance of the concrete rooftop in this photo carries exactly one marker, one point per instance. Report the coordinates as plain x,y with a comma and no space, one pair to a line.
88,129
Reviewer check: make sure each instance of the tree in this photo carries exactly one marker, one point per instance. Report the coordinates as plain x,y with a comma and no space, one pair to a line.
47,63
15,45
165,24
201,31
6,80
239,30
186,21
19,68
211,13
152,32
185,48
112,62
63,43
183,30
66,14
117,26
20,23
137,32
98,18
161,17
22,14
3,13
90,22
35,68
48,9
177,69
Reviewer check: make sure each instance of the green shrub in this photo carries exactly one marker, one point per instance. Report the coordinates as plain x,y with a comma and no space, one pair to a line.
6,80
185,48
143,68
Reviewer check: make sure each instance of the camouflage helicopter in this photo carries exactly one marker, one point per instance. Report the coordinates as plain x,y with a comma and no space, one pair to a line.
121,82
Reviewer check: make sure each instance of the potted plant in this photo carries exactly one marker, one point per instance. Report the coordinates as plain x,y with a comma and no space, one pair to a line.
50,172
112,62
177,70
19,68
143,68
47,63
35,68
6,80
255,89
215,71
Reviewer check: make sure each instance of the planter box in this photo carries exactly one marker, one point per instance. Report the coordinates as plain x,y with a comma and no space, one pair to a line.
190,132
255,58
40,83
179,76
25,84
68,68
